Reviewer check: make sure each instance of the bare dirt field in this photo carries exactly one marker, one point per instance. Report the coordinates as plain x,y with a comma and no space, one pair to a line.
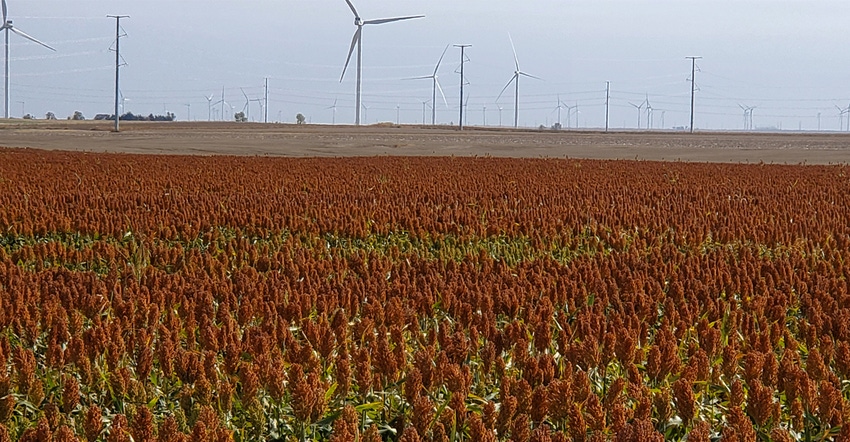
201,138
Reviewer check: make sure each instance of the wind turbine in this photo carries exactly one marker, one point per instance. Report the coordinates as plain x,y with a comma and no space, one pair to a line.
223,103
748,116
466,109
648,113
333,122
209,107
515,79
260,104
569,114
638,107
577,114
7,26
357,40
123,100
841,113
247,108
558,108
435,85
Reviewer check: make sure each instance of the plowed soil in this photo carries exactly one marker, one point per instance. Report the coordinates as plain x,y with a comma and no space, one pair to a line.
201,138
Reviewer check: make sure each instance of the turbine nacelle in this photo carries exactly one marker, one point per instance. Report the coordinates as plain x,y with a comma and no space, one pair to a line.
356,42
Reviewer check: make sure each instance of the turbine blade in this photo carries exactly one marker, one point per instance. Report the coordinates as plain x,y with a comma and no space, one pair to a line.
441,59
354,11
516,59
354,41
441,93
381,21
530,76
506,86
30,38
424,77
4,12
244,94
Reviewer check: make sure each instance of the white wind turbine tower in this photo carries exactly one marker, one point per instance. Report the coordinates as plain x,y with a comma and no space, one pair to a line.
209,107
435,86
748,116
247,108
123,101
515,79
357,40
841,113
260,104
7,26
569,114
638,107
577,114
558,108
648,113
333,121
223,104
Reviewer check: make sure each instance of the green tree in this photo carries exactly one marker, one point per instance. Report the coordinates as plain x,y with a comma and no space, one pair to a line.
300,119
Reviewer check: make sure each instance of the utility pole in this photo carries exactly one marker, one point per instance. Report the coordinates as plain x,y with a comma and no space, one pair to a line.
462,47
398,114
818,121
693,86
607,101
484,114
117,61
266,101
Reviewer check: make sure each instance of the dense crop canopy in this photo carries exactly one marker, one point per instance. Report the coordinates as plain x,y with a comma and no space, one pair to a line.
441,299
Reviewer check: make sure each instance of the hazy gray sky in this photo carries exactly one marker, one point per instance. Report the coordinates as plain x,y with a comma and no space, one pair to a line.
787,58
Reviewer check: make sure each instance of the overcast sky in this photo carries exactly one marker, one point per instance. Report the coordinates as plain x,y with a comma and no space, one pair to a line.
789,59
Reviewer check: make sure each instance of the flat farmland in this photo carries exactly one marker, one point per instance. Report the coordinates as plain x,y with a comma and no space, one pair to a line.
239,283
333,141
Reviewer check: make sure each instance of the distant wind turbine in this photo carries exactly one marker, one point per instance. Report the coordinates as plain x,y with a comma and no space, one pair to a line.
247,108
357,40
748,116
841,113
515,79
209,106
435,86
648,113
123,100
570,113
558,109
638,107
7,26
333,121
223,104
